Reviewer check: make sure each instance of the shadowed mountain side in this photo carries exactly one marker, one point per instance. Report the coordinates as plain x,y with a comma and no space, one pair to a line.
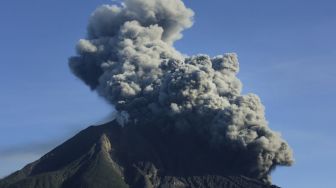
111,156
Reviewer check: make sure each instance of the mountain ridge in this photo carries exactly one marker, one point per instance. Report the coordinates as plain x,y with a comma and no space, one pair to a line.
113,156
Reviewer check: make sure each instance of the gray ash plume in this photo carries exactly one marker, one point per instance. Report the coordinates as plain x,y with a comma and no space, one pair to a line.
129,59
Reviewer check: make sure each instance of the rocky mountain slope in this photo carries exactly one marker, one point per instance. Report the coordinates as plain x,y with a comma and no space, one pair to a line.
111,156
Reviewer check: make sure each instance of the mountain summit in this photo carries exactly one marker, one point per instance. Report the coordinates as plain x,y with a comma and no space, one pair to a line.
112,156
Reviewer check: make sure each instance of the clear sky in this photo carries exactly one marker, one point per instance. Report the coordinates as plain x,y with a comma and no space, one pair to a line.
287,53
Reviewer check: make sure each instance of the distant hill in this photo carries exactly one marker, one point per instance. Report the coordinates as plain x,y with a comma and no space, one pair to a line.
111,156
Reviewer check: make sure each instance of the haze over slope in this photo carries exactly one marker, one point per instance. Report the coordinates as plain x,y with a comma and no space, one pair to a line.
129,59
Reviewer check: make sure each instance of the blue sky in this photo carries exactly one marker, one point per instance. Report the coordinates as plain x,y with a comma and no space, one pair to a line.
287,53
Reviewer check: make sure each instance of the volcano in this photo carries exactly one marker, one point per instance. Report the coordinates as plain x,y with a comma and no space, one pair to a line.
182,121
114,156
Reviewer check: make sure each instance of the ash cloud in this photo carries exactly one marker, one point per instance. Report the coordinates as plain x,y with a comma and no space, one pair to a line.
129,59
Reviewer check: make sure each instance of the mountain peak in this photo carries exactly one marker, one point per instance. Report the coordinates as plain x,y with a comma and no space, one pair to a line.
125,157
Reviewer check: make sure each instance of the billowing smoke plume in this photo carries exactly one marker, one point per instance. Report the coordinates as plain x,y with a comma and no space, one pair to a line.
129,59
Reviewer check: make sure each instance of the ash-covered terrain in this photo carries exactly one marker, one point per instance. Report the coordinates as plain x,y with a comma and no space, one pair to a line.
111,156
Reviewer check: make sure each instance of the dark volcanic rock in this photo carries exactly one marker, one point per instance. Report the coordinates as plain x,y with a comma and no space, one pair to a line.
109,156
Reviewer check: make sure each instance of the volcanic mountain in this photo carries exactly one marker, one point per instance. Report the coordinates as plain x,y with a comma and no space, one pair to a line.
113,156
182,120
